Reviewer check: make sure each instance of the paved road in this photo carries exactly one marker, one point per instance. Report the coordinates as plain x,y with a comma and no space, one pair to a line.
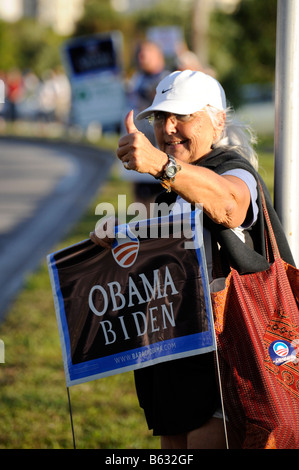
44,189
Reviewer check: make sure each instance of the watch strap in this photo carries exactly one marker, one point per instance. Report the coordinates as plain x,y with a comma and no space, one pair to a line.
165,179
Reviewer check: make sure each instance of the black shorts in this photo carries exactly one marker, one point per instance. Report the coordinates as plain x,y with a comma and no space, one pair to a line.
178,396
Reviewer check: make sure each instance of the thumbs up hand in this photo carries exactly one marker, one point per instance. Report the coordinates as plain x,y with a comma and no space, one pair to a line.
129,123
137,153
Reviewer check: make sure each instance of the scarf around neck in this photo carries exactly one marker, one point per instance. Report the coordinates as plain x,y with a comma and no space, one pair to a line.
251,256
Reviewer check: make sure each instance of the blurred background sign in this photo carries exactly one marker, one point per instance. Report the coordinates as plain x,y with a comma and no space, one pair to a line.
168,37
94,67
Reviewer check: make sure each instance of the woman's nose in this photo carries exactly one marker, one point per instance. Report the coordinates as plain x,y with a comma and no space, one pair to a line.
170,123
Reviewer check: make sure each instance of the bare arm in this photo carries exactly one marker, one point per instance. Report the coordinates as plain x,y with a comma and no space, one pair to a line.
225,199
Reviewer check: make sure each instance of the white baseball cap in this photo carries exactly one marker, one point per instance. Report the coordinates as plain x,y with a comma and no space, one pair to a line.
185,93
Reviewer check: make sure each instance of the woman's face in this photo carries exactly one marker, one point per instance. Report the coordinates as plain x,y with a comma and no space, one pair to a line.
186,140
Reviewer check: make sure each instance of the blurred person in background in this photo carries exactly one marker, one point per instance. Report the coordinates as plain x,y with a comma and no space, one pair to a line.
188,60
54,97
47,97
14,93
141,90
63,96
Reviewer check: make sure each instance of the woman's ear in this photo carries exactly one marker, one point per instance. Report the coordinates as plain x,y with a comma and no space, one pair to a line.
219,126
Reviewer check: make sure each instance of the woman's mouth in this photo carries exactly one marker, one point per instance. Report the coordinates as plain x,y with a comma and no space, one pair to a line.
175,143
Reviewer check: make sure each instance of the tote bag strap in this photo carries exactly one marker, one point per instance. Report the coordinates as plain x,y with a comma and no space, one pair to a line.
269,227
270,241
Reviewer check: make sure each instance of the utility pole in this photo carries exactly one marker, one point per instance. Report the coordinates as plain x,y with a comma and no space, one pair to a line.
286,148
200,29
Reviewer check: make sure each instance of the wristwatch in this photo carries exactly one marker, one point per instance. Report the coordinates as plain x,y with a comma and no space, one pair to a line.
169,172
171,169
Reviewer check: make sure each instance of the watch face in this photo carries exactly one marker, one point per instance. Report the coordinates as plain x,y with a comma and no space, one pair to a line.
171,171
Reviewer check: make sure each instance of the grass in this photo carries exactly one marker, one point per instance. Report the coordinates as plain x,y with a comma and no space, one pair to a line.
34,410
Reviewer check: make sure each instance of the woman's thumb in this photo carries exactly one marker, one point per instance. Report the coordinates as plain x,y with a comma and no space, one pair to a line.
129,123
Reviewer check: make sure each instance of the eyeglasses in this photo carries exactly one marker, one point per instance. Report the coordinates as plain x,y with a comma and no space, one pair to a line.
159,118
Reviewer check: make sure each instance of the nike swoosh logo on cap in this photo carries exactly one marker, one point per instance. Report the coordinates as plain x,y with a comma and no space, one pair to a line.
167,89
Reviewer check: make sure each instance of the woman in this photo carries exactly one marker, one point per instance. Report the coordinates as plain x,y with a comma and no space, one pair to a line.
200,160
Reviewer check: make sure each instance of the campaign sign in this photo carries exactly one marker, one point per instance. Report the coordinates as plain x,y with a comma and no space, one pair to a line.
142,302
94,67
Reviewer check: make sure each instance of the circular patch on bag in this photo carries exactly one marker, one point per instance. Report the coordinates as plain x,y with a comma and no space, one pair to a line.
282,352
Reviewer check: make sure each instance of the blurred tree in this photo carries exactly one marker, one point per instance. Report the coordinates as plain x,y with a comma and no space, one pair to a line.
28,45
8,49
166,13
98,17
243,45
256,39
39,46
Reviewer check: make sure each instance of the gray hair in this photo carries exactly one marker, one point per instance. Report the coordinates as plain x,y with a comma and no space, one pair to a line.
235,136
